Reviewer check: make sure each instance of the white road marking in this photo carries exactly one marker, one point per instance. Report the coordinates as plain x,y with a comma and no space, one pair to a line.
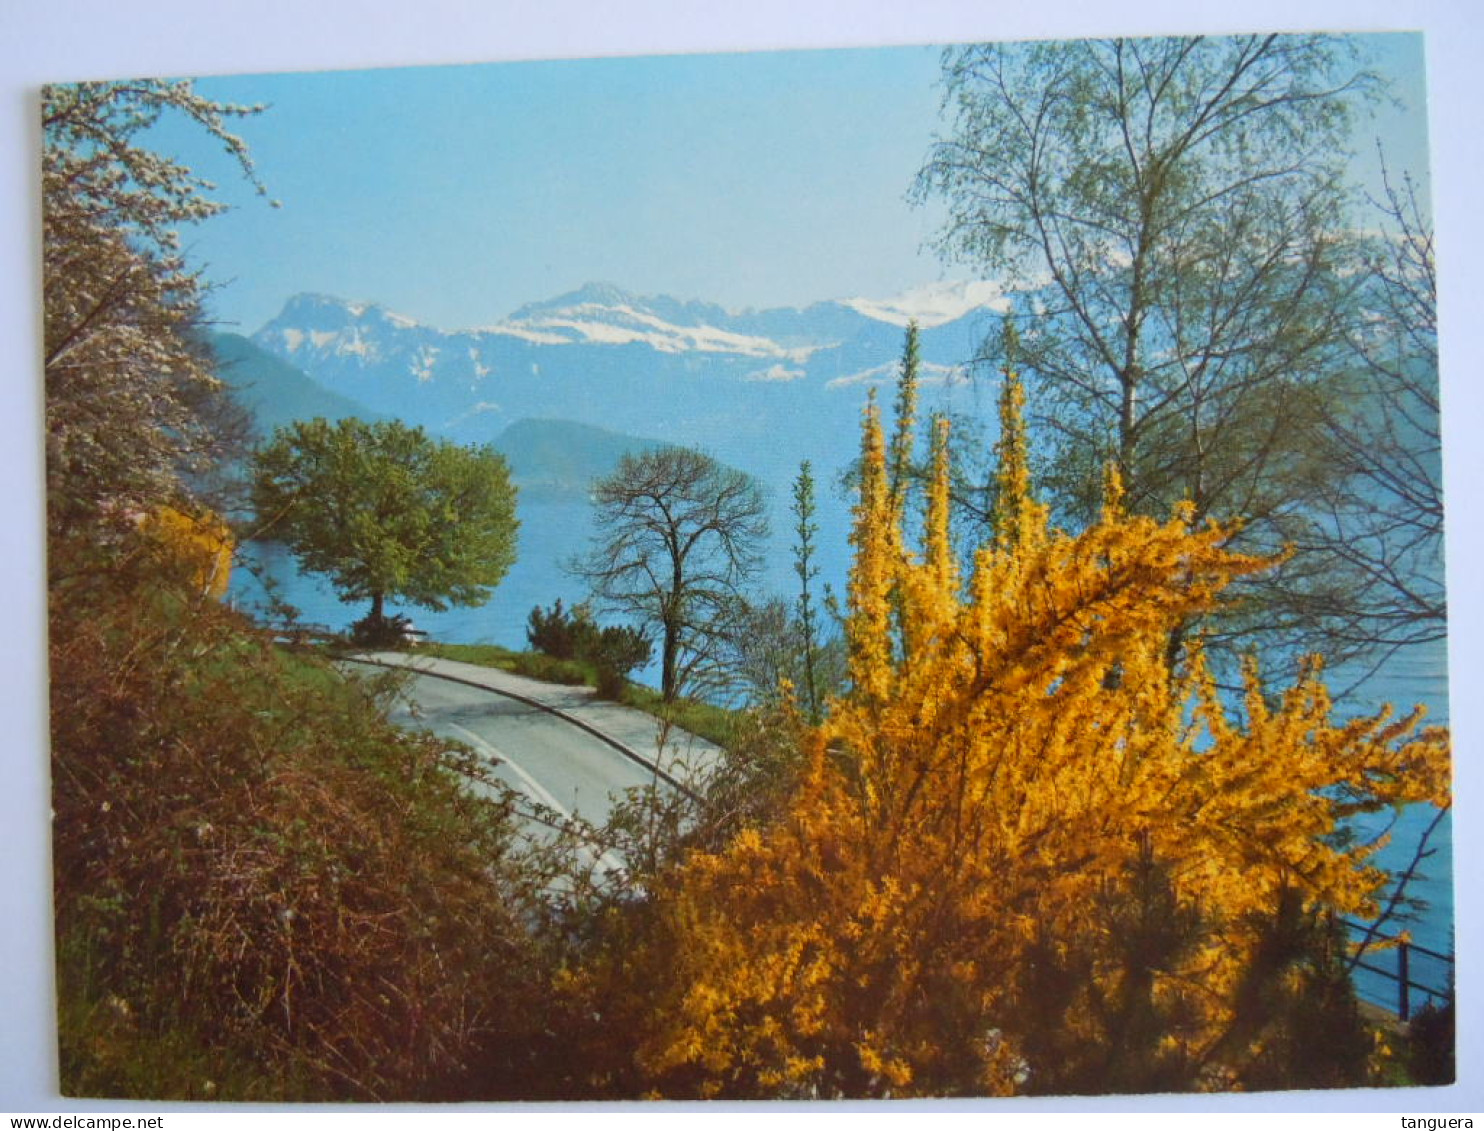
607,861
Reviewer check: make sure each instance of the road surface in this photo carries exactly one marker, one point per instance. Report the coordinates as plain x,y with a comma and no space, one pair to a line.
559,746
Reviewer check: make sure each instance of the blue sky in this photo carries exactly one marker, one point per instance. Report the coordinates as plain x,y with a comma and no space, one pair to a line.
455,194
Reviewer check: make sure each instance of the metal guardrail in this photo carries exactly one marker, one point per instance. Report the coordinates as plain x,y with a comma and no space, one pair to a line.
1402,973
299,633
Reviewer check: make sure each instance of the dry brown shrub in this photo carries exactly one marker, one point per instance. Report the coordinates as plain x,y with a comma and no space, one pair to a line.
246,852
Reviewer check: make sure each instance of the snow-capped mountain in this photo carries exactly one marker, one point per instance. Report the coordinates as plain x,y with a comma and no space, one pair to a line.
362,343
934,305
756,382
600,314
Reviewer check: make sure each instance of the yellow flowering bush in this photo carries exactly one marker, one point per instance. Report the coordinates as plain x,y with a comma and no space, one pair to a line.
1030,851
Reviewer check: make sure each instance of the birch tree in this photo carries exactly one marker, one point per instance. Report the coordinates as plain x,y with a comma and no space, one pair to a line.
1173,210
1380,521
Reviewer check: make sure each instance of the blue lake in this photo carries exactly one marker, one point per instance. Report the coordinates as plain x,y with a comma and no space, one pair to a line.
553,530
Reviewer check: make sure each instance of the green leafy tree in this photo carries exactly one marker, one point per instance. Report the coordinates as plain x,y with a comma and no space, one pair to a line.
676,546
387,513
1175,208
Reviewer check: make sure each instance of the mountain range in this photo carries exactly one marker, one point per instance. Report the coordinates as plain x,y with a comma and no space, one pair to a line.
759,389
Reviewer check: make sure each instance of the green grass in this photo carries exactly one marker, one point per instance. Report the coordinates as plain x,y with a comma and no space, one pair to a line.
706,720
533,665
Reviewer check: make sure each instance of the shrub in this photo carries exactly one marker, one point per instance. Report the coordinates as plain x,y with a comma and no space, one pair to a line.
557,631
1026,853
1430,1044
379,631
250,860
613,650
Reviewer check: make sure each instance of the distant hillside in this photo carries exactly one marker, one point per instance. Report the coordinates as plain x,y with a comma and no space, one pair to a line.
275,392
562,457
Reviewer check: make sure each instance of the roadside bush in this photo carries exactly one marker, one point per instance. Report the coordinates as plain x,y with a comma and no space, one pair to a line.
373,631
1430,1044
250,862
613,650
557,631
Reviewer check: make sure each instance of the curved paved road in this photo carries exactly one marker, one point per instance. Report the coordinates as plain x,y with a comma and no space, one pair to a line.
538,737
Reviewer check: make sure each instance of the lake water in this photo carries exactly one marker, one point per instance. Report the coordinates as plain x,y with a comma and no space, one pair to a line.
552,531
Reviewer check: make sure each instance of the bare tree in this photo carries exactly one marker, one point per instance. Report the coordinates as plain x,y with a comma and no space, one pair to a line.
1175,211
1383,519
676,546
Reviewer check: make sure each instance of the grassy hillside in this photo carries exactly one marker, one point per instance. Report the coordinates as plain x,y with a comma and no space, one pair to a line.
275,392
562,456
